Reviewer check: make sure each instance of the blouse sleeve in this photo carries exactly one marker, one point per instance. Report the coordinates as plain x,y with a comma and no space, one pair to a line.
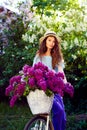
36,59
62,64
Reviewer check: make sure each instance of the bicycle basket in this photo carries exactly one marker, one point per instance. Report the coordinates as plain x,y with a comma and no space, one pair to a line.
39,102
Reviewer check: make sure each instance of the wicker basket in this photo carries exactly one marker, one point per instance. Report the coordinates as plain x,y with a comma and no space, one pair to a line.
39,102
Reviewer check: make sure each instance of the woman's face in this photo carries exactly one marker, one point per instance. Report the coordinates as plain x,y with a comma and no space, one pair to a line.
50,42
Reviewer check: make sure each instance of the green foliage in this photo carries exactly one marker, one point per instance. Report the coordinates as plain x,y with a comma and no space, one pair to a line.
17,53
15,118
47,6
76,63
73,124
69,20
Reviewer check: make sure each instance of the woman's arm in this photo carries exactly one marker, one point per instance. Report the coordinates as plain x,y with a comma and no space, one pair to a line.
36,59
60,69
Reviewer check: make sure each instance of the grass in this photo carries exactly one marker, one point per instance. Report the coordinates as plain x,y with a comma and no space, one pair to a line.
15,118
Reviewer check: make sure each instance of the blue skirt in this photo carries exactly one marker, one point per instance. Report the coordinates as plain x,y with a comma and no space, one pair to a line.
58,113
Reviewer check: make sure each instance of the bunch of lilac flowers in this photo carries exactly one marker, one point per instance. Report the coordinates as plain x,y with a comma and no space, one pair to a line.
37,77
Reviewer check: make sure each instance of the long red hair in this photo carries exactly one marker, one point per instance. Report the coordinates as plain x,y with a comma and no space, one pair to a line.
56,52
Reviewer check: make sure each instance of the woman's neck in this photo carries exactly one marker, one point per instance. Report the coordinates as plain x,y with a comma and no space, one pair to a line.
48,53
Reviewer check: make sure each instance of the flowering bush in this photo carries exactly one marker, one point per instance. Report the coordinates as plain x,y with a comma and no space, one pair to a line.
36,77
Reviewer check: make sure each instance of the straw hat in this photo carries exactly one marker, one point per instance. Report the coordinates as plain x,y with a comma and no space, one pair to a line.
49,33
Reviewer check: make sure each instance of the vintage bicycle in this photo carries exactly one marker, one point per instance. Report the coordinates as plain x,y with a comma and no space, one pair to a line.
40,105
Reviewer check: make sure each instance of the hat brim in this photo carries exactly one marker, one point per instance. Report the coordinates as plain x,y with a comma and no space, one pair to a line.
52,35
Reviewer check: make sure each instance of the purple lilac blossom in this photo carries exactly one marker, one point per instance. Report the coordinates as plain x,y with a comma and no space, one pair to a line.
50,84
60,74
55,84
69,89
13,100
20,89
38,74
25,68
40,66
15,79
50,74
31,82
8,90
42,84
30,71
60,83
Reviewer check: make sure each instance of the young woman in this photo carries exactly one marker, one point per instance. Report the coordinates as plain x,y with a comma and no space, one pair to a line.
50,54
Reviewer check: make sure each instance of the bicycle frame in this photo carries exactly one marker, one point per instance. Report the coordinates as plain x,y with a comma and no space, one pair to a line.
42,118
47,122
48,119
